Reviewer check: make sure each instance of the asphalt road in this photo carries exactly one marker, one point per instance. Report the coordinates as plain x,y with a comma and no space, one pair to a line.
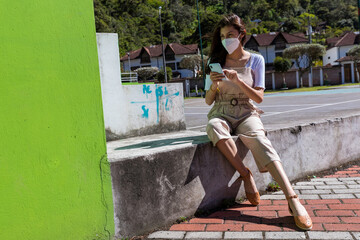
289,109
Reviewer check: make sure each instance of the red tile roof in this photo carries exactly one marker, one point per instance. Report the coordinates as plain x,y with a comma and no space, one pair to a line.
156,50
266,39
346,39
344,59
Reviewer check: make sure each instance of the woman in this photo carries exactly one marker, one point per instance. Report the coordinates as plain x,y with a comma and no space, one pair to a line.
233,112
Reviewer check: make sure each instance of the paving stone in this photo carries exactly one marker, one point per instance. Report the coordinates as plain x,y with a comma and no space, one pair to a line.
303,187
316,191
336,196
356,235
167,235
309,183
305,196
329,235
203,235
276,197
281,192
244,235
335,183
285,235
331,187
324,179
357,195
354,186
346,190
350,179
350,182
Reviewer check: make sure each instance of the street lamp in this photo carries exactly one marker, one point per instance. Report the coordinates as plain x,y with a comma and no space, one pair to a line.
128,54
201,49
162,46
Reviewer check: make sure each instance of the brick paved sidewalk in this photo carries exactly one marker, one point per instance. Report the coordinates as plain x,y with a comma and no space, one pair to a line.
333,202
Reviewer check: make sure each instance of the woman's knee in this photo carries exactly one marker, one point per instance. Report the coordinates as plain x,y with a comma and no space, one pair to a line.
214,124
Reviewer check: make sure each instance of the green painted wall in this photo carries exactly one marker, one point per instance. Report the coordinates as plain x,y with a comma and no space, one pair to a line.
54,176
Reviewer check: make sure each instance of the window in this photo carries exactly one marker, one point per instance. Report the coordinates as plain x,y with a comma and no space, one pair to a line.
178,66
252,45
171,65
280,45
169,54
145,58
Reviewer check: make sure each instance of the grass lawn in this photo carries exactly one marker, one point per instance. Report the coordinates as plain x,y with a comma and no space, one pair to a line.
308,89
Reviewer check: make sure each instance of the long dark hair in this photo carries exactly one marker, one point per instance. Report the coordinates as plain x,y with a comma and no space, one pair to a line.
218,52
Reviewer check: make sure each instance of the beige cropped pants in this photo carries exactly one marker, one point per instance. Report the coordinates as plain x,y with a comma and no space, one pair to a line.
251,132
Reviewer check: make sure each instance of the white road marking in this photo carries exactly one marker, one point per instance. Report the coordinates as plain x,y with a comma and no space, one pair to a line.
200,107
294,110
301,109
298,105
196,113
188,128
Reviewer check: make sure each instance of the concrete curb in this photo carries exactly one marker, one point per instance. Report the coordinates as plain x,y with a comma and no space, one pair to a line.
158,179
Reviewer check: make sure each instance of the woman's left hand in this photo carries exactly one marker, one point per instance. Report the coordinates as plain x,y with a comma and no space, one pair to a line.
231,75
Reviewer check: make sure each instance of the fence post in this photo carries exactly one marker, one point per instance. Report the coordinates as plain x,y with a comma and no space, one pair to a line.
273,80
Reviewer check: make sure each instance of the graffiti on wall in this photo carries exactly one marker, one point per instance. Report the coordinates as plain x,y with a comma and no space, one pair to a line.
163,100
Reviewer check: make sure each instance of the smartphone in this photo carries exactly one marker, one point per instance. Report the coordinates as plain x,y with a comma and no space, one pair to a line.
216,67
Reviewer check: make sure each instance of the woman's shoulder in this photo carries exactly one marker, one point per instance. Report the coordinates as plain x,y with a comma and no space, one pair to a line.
257,57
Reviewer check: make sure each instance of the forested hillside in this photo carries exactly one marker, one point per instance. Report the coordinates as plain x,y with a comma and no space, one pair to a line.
137,21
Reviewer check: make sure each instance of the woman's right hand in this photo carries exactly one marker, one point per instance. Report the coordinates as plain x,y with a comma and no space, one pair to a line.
216,78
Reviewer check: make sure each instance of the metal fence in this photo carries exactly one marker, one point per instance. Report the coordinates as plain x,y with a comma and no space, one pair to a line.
129,77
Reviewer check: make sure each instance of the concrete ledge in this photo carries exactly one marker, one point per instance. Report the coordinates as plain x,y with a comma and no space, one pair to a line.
158,179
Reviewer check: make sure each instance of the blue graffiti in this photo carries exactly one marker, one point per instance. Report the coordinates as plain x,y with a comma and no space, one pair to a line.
159,92
162,99
146,112
146,89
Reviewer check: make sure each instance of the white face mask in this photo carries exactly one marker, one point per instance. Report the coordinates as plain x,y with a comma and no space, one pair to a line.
231,44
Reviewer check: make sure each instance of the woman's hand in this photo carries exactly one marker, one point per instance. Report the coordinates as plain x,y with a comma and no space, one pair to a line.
231,75
216,78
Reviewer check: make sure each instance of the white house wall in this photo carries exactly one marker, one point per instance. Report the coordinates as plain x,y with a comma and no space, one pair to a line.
158,62
344,49
331,56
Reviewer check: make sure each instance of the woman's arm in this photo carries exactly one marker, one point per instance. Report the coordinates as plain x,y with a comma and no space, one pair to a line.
210,95
256,94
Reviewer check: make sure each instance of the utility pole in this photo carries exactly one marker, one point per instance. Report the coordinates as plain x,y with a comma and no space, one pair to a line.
162,46
310,41
201,49
359,14
128,54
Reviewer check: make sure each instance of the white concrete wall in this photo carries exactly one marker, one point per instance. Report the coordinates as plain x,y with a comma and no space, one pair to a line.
331,56
111,88
135,109
152,105
344,49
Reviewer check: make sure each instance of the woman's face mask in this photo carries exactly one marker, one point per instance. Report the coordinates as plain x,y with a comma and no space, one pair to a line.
231,44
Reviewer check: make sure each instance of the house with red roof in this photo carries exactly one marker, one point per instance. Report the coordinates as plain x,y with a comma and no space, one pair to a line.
151,56
337,47
336,54
270,45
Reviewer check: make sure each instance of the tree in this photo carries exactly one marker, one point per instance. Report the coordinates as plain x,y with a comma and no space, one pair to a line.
282,65
146,72
192,62
355,55
160,76
304,55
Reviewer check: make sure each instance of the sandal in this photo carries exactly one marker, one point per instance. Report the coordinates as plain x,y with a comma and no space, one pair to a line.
254,198
303,222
